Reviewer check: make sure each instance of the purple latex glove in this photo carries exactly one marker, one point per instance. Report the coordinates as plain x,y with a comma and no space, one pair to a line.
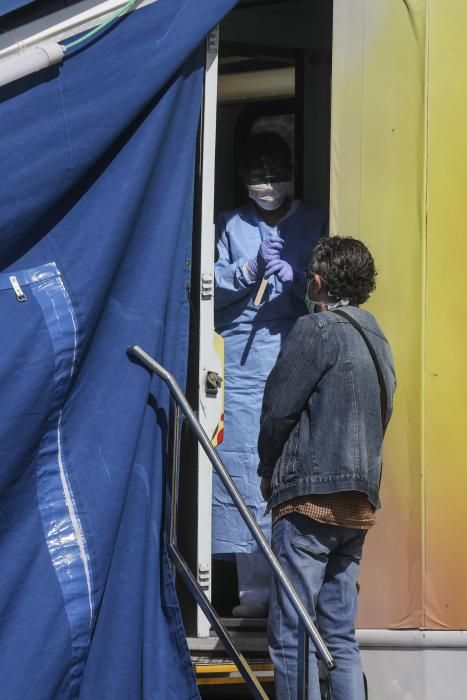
295,281
268,251
281,268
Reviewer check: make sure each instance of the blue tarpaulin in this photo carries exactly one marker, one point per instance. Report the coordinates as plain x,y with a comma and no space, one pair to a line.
97,167
11,5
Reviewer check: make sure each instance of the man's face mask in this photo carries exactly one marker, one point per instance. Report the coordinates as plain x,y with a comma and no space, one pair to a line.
271,195
310,304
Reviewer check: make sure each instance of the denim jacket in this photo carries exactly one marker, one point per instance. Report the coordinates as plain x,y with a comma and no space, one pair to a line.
321,428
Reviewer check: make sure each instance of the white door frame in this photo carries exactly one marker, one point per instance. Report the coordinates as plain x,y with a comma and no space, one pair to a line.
209,407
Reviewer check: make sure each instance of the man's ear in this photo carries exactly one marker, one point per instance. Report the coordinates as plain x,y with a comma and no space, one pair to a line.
318,282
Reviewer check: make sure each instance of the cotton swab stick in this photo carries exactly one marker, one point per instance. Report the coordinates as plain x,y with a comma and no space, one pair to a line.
261,290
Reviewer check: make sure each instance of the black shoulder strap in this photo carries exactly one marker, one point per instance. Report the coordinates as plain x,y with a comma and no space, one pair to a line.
383,394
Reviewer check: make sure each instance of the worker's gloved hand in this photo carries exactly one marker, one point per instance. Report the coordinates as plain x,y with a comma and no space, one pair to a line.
294,280
268,251
281,268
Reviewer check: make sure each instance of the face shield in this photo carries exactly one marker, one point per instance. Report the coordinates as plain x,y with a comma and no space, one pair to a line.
268,169
269,182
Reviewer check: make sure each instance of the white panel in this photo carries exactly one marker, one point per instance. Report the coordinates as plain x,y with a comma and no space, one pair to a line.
209,408
414,664
404,674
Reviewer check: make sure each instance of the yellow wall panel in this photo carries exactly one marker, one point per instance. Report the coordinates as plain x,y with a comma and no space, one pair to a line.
378,195
446,318
399,182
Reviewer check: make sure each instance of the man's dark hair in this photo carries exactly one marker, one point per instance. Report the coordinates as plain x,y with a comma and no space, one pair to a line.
346,267
256,147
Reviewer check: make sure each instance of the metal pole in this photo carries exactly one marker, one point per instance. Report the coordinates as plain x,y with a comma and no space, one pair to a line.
175,476
241,663
217,463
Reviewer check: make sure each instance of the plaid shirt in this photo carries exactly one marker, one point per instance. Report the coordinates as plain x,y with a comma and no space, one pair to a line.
344,508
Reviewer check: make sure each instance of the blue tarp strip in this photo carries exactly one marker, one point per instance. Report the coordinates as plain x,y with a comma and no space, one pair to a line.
62,528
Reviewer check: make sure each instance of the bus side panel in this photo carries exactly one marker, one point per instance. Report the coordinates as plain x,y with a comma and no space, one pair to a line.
378,195
446,370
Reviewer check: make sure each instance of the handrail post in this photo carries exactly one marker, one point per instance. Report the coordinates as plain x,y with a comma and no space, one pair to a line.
174,479
237,657
236,497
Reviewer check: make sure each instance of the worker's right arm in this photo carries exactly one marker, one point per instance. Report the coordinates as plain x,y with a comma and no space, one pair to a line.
231,277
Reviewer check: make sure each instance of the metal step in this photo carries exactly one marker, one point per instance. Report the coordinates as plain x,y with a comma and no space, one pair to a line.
225,673
214,670
244,641
248,634
245,623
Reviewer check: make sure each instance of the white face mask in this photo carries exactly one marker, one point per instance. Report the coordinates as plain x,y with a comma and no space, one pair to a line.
313,304
269,196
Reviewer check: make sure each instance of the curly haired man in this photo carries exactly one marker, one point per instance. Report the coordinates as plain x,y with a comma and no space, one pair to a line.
326,406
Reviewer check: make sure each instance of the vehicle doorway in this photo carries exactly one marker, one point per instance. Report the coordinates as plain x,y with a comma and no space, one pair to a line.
274,74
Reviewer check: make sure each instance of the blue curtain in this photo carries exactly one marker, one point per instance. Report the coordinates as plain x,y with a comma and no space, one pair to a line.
97,166
11,5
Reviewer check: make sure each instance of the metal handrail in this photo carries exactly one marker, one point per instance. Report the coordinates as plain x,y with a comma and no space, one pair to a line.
305,623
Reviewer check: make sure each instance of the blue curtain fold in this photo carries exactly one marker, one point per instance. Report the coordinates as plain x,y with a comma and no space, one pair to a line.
97,167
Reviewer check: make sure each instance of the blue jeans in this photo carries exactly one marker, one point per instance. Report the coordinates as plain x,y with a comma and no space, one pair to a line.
322,562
